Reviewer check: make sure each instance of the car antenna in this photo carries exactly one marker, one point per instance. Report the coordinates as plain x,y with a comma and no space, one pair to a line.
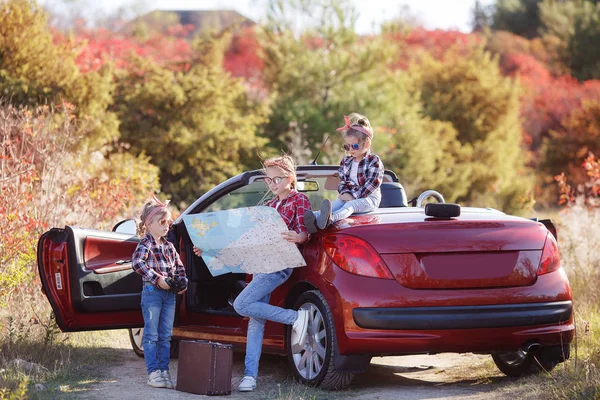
314,162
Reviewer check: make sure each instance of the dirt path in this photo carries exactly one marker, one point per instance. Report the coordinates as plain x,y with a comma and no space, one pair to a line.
444,376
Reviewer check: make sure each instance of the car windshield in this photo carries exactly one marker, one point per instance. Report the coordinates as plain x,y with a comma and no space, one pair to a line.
256,194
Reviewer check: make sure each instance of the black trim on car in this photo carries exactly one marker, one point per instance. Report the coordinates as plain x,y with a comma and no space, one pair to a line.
463,317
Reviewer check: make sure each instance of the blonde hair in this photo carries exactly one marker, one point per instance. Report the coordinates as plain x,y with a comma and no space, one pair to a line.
149,209
285,163
358,119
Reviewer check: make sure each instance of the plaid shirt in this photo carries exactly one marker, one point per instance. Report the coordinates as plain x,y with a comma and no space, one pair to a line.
370,176
166,264
292,210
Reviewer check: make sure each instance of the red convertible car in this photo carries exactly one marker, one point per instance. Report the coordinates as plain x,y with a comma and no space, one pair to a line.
408,278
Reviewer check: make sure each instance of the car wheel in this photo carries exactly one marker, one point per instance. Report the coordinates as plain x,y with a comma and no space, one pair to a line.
313,362
520,362
135,338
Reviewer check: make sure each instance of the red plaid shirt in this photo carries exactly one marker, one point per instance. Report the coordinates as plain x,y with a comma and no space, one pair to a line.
166,264
370,176
292,210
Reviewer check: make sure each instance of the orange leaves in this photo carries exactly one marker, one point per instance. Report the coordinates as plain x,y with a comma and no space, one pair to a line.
587,193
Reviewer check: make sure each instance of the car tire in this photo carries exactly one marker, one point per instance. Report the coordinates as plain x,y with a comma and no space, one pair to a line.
314,364
135,338
519,363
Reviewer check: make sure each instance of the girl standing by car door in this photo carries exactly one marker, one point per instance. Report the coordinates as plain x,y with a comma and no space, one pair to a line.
156,260
253,301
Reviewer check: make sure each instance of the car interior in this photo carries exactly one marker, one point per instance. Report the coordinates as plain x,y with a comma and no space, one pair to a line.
215,294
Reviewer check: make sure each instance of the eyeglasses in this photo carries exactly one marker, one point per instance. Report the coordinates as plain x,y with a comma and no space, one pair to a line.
276,180
353,146
165,222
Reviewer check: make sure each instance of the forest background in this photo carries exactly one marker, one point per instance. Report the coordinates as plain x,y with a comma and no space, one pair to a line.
94,118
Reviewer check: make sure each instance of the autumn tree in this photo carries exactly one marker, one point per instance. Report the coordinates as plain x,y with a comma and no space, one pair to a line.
571,27
567,146
481,18
198,125
518,16
320,75
44,183
483,107
34,70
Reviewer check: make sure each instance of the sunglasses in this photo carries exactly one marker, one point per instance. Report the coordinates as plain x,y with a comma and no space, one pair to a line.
353,146
276,179
165,222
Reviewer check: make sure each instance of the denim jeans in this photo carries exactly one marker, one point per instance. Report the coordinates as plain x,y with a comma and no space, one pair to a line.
253,302
343,209
158,309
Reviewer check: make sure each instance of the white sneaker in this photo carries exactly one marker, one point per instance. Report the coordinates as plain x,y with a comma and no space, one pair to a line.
300,328
167,378
156,380
247,384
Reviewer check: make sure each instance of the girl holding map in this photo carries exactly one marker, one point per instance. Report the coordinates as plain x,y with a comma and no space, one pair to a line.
253,301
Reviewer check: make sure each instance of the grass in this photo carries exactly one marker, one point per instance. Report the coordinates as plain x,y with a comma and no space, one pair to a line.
71,363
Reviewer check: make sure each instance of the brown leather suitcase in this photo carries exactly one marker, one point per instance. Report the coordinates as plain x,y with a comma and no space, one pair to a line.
204,367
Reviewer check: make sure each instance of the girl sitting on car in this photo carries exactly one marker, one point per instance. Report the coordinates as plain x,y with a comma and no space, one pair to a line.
361,174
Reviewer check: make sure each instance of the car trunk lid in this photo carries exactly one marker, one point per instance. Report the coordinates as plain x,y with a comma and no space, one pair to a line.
473,251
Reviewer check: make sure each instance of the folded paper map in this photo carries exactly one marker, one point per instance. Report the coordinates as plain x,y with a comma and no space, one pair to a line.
243,240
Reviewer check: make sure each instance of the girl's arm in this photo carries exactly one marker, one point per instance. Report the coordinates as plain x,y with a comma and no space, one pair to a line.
345,185
374,177
303,205
179,268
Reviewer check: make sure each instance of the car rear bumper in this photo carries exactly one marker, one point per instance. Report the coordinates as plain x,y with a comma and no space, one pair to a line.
463,317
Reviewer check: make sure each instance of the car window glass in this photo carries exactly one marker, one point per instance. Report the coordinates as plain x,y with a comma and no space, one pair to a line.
256,194
246,196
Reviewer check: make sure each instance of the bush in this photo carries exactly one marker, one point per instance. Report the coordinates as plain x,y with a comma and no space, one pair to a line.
46,184
483,107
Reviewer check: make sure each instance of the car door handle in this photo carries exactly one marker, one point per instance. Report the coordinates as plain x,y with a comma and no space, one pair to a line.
121,262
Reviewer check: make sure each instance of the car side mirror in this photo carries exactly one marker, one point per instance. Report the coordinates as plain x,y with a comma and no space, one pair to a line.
127,226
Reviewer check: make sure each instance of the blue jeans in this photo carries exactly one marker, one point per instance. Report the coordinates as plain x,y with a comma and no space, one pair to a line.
343,209
253,302
158,309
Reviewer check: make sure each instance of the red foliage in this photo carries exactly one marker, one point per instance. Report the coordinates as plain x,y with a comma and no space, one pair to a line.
434,42
242,58
101,45
546,100
589,193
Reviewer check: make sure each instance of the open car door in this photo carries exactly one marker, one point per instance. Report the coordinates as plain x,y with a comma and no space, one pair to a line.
88,279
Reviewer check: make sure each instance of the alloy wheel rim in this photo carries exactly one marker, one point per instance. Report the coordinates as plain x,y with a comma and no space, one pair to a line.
309,357
138,335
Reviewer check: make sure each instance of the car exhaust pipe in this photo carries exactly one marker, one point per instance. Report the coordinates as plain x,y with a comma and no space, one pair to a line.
531,347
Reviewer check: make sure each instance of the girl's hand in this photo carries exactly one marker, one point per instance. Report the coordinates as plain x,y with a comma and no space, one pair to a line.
290,236
294,237
346,197
182,291
163,284
197,251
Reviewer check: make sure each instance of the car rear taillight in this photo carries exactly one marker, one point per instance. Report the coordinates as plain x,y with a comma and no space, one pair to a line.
356,256
550,257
